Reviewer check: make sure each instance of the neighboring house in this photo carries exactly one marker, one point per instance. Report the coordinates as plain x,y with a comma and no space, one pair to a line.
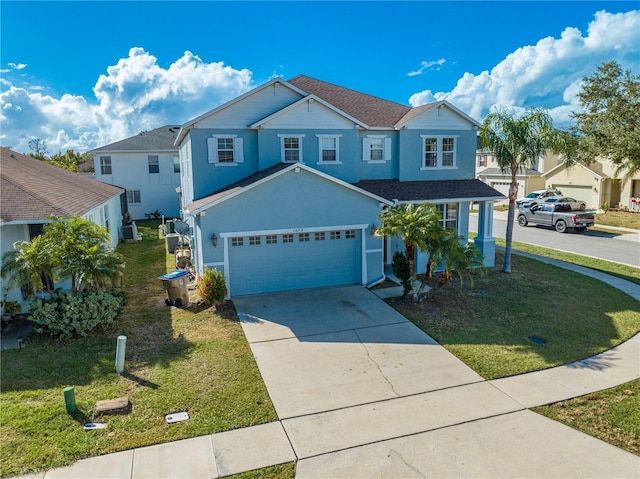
147,166
529,179
282,187
32,191
595,184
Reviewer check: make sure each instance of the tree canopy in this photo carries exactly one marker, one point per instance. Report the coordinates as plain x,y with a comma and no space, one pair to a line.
608,125
69,248
517,143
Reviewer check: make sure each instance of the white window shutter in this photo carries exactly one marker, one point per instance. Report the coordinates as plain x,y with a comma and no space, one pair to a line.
238,151
212,147
387,149
366,149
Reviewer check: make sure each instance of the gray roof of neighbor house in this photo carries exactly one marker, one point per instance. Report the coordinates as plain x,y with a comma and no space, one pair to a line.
160,139
31,189
430,190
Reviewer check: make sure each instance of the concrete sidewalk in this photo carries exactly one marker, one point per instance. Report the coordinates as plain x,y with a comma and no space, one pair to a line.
370,395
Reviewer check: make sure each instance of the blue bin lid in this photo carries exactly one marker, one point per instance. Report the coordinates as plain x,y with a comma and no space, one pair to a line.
174,274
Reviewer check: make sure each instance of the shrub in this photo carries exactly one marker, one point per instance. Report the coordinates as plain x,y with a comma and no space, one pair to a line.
71,314
211,286
400,267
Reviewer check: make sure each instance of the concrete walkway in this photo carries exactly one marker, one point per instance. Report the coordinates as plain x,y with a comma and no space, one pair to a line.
361,392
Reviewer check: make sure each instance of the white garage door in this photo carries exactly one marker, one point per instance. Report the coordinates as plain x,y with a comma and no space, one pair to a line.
281,262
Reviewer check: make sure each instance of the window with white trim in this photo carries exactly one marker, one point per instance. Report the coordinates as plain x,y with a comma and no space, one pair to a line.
449,214
154,164
238,241
272,239
105,165
176,164
133,197
376,148
287,238
319,236
350,234
225,150
303,237
329,149
254,240
335,235
291,148
438,151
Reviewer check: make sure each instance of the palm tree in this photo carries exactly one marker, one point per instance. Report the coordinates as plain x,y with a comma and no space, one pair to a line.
413,223
27,264
517,143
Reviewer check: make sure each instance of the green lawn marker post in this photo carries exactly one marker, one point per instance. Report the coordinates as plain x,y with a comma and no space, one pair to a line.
70,399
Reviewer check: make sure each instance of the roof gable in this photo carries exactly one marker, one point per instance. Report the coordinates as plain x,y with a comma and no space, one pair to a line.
274,86
594,167
438,115
309,112
33,190
264,176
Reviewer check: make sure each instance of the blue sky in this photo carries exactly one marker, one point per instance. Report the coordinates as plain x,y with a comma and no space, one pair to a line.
84,74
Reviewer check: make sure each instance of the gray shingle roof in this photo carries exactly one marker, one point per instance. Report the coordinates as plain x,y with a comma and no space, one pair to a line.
160,139
33,190
429,190
371,110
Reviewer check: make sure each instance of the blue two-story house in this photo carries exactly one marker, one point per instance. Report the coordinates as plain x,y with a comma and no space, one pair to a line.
282,186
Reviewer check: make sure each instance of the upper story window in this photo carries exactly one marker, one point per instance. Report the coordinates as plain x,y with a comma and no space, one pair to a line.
225,150
291,148
329,149
376,148
482,160
105,165
154,165
176,164
133,197
438,151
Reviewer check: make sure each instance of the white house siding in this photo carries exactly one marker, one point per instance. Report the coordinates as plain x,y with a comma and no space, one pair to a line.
130,170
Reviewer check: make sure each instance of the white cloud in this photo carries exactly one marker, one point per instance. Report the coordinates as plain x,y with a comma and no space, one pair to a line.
549,73
424,65
136,94
17,66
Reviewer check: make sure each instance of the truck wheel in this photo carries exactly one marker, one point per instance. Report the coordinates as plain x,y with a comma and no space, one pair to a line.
583,207
522,220
561,226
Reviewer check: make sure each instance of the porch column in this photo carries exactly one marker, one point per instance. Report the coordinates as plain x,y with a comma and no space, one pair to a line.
485,241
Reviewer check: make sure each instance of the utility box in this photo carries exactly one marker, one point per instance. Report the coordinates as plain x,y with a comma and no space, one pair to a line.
176,285
173,240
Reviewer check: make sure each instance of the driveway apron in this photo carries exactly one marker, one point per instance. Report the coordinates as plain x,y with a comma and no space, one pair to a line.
362,392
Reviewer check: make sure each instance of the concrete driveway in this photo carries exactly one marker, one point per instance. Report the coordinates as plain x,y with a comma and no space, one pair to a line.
361,392
325,349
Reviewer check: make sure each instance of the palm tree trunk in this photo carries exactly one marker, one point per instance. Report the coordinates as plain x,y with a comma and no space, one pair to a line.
513,193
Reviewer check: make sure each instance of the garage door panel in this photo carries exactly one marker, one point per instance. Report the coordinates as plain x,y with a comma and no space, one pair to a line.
306,261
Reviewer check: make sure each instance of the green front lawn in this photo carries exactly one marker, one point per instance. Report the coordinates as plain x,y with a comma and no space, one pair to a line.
612,415
488,326
195,360
624,219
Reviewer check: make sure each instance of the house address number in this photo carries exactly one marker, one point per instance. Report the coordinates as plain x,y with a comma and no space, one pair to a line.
297,230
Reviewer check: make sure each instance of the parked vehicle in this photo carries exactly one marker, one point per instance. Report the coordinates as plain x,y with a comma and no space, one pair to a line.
556,215
575,204
535,197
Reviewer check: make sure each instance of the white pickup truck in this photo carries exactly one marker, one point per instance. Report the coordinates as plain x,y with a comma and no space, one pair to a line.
556,215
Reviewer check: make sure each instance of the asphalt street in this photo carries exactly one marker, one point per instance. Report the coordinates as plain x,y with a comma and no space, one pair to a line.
618,247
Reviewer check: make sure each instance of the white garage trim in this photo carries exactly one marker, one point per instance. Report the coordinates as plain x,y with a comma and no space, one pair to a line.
225,236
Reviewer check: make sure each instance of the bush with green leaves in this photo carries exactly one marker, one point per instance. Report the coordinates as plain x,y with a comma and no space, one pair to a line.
400,267
73,314
211,286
